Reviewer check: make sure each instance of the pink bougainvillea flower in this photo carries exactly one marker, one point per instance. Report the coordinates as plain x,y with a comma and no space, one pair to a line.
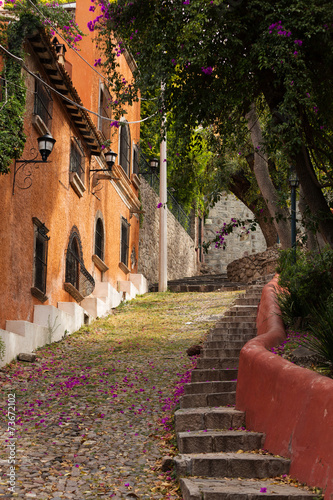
263,490
159,205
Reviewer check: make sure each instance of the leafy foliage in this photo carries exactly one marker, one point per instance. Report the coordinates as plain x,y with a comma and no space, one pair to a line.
307,283
13,95
216,57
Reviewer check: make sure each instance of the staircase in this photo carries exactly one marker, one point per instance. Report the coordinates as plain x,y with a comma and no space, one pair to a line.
219,459
201,283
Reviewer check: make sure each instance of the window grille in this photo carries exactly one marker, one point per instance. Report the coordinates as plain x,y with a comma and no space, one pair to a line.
135,160
104,112
40,255
77,158
43,103
125,147
99,239
76,274
124,241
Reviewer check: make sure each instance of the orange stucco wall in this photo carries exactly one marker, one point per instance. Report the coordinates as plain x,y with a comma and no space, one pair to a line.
293,406
53,201
86,80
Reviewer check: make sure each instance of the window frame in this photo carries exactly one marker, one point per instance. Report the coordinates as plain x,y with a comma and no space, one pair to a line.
43,103
76,158
104,111
99,245
40,259
125,147
124,241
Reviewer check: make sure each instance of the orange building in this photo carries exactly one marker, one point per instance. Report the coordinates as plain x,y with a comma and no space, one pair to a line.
69,235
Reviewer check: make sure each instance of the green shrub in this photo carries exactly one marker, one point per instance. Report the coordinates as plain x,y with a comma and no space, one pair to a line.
307,283
321,328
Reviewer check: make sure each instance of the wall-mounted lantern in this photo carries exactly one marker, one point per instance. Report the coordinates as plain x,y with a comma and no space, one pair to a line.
45,147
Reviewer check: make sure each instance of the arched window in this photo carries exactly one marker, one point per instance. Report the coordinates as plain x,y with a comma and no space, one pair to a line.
73,262
79,282
99,239
125,147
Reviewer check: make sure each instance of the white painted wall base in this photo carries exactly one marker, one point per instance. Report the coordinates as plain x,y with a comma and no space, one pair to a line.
51,323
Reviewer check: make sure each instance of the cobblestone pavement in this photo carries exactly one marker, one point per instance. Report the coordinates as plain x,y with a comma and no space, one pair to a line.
91,414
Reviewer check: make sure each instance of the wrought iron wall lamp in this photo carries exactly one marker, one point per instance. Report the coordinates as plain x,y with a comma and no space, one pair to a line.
45,146
110,158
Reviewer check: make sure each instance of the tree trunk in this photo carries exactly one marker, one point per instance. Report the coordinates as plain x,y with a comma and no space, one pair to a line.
239,186
313,194
314,241
265,183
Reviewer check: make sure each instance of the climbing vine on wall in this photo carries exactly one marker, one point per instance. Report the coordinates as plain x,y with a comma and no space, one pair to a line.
25,21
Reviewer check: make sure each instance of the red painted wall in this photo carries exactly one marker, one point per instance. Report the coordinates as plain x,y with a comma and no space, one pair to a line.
292,405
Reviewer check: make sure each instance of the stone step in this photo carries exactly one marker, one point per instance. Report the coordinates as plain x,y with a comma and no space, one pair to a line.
242,310
220,353
210,387
236,329
212,399
245,465
222,364
215,441
224,344
241,489
254,301
235,322
192,419
198,375
220,336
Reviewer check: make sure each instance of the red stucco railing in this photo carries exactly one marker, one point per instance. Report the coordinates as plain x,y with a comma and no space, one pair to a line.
293,406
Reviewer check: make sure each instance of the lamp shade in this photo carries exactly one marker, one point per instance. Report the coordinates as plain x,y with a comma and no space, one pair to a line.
293,179
153,163
45,145
110,158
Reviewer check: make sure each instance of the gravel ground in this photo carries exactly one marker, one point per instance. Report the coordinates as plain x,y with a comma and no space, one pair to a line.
92,414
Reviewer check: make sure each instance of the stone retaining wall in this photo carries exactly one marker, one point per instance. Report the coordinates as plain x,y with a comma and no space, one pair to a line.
182,256
254,266
238,246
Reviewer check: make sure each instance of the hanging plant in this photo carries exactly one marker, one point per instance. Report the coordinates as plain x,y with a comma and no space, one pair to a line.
28,18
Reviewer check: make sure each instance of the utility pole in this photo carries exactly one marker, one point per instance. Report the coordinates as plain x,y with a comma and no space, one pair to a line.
163,248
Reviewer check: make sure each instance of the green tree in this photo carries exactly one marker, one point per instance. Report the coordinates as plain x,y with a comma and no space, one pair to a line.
219,57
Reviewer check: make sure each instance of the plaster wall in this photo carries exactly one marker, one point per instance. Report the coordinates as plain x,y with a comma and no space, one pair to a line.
52,200
293,406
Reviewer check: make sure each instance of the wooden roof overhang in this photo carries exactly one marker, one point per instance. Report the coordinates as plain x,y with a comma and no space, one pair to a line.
62,83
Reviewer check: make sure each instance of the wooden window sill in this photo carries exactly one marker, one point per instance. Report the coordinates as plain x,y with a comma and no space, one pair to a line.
124,268
99,263
76,184
38,294
73,292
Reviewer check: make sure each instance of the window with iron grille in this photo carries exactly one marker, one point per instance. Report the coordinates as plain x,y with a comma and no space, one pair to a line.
99,239
40,255
73,263
135,160
124,241
77,158
43,103
104,110
125,147
78,281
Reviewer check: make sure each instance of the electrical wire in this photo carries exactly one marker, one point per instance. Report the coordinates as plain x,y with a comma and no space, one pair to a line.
21,62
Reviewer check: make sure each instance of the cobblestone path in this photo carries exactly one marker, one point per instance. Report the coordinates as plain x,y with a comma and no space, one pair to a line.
92,414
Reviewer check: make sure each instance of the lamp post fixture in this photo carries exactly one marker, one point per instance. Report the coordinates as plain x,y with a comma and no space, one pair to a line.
45,147
110,158
293,183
